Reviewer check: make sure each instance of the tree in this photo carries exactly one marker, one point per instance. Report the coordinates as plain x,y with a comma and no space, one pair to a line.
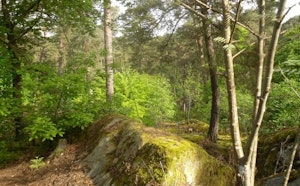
18,18
20,29
212,63
108,50
247,159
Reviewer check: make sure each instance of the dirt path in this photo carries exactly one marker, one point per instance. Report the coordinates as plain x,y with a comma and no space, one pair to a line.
63,170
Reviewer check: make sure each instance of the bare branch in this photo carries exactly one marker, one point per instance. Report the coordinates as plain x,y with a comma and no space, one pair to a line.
188,7
287,12
247,28
193,10
208,7
236,18
216,11
241,51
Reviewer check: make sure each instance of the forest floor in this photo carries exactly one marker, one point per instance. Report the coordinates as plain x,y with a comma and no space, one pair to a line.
66,169
61,170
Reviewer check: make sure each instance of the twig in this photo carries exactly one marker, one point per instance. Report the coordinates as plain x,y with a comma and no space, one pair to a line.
151,173
289,82
162,167
236,19
241,51
280,153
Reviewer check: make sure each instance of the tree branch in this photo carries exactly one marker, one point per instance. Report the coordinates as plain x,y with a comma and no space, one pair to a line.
30,8
193,10
287,13
241,51
198,14
214,10
236,19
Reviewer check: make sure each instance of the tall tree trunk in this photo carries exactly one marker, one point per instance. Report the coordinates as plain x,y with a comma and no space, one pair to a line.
200,44
12,47
17,95
108,51
265,87
61,59
259,78
232,101
212,64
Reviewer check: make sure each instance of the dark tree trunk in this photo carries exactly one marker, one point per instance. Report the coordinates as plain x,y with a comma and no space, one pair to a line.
17,95
212,64
213,131
17,87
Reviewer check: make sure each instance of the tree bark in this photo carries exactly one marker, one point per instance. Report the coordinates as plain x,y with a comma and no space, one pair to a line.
12,48
212,64
259,110
108,51
259,76
231,90
61,59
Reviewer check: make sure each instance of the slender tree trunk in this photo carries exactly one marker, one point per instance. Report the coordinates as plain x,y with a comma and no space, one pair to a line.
108,51
261,58
233,112
61,59
250,160
201,53
202,60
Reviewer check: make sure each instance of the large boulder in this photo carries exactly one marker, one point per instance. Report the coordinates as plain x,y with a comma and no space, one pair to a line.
125,152
273,158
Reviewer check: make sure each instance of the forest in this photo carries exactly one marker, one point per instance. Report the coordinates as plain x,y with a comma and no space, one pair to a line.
234,65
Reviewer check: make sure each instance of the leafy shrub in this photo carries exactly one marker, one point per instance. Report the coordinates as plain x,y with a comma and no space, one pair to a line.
37,163
144,97
43,128
55,103
7,155
283,106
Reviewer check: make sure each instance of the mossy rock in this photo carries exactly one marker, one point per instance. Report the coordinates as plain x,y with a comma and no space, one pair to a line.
125,152
186,127
268,148
278,179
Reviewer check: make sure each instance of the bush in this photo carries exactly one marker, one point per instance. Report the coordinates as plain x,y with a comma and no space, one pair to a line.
143,97
283,106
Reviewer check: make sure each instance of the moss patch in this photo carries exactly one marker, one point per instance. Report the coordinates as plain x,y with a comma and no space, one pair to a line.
128,153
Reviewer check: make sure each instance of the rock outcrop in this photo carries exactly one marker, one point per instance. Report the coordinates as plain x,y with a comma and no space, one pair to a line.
125,152
273,158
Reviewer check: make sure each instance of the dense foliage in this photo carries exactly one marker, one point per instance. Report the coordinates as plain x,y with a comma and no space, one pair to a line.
159,75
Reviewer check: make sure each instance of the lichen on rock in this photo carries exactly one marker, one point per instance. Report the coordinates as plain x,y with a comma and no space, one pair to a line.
125,152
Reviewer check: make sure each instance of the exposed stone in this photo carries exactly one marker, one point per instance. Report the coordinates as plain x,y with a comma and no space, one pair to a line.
128,153
273,158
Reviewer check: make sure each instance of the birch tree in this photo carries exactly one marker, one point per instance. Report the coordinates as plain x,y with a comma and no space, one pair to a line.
108,50
247,159
247,156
